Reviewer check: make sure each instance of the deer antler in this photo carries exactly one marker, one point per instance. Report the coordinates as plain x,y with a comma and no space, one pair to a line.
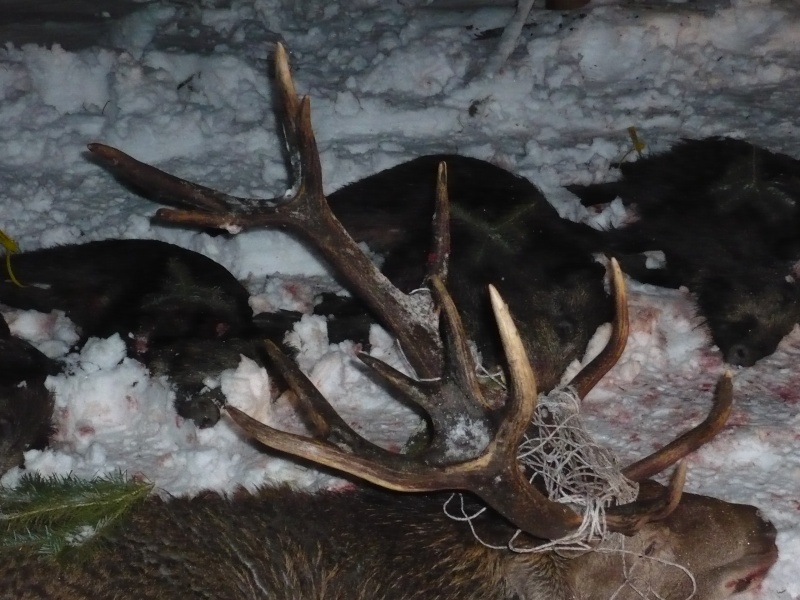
306,212
483,462
692,439
488,467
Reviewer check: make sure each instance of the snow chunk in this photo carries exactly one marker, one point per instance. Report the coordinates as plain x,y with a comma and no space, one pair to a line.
69,82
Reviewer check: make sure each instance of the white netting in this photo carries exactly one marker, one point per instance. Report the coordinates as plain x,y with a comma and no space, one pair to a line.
570,467
638,573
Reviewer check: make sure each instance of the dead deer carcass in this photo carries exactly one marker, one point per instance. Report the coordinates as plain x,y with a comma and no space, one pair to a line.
370,544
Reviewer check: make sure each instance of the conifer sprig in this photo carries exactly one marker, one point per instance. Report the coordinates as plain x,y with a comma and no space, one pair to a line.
51,515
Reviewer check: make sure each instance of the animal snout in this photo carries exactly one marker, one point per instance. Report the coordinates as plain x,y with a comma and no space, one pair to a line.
767,532
740,354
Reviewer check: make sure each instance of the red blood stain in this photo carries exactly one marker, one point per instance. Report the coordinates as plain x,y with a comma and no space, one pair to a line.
788,395
85,430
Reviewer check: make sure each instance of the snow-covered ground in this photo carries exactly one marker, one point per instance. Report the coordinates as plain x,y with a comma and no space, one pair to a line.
186,88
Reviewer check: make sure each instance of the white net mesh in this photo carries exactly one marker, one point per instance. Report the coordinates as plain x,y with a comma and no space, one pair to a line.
640,572
570,467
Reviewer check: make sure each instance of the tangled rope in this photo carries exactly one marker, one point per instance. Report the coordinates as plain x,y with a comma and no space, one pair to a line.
571,468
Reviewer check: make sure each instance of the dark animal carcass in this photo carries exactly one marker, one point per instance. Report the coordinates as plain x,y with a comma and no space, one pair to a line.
504,232
725,214
26,406
147,289
167,302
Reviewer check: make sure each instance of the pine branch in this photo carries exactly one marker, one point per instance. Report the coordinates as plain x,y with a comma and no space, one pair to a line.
55,514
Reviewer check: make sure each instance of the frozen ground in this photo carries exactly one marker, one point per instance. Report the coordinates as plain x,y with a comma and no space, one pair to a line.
186,88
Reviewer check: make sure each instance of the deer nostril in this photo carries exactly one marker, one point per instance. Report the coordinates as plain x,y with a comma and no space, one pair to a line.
768,530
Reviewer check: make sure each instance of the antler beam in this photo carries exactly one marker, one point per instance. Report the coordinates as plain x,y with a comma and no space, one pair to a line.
306,212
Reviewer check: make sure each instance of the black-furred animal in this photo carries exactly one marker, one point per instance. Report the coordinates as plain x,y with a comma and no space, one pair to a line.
504,232
26,405
147,289
725,214
162,299
181,313
748,300
714,178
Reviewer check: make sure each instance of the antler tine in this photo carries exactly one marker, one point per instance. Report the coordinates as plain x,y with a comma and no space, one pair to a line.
307,213
325,422
690,441
508,491
460,361
287,92
588,377
166,188
440,255
629,518
521,401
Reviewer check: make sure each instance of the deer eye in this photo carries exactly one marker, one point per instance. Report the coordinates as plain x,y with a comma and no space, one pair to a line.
651,548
